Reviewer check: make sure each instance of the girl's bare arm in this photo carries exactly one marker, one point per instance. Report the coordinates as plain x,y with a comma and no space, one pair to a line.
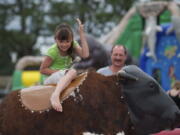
44,68
82,51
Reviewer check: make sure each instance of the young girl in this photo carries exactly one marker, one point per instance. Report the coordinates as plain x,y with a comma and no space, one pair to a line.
59,58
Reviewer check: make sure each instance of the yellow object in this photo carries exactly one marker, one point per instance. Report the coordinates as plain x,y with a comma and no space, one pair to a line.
30,78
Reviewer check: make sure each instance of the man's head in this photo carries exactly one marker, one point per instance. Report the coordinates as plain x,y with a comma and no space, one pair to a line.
118,55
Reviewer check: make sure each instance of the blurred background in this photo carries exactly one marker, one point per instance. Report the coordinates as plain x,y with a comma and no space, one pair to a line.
27,29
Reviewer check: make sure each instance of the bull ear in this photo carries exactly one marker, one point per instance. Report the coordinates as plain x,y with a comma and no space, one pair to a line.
124,75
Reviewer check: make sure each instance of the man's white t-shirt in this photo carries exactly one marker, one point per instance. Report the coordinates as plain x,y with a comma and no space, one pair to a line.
105,71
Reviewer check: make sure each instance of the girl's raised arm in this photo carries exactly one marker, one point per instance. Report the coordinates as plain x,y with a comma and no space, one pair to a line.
83,50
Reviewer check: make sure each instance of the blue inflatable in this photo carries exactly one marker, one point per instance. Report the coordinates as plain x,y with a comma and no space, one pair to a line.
166,70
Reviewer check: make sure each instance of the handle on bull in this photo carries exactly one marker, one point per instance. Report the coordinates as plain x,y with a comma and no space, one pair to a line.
77,59
126,75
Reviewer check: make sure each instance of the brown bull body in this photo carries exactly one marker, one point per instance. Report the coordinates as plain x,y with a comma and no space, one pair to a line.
97,108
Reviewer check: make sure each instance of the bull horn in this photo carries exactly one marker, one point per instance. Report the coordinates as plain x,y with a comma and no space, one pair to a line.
126,75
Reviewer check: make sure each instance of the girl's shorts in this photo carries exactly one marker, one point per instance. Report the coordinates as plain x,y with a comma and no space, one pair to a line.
55,77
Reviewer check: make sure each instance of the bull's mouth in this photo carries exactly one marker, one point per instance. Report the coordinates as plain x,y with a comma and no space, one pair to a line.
123,74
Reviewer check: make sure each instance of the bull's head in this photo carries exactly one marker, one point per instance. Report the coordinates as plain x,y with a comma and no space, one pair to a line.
151,109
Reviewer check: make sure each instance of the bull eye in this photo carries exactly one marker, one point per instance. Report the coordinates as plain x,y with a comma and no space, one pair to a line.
151,85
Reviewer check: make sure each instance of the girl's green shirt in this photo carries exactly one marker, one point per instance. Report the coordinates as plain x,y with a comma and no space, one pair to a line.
59,62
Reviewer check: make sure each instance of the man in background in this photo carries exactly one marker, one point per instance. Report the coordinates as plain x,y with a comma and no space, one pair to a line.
118,58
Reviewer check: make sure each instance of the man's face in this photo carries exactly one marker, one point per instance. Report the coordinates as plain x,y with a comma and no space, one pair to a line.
118,57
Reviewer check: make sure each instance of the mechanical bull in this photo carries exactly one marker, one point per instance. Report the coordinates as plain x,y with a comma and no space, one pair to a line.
130,101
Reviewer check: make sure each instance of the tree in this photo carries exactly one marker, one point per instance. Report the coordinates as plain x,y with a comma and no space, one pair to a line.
21,22
99,16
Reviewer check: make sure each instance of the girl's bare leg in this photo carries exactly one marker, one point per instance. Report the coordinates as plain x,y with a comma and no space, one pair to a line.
61,85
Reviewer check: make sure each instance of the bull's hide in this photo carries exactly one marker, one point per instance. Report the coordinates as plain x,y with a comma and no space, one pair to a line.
100,106
96,108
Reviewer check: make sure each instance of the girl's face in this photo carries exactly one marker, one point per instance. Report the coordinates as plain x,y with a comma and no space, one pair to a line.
64,45
64,38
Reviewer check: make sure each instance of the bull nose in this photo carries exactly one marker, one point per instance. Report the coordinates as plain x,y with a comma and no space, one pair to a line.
123,74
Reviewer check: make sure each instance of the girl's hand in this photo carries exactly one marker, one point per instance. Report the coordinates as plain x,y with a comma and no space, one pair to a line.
81,26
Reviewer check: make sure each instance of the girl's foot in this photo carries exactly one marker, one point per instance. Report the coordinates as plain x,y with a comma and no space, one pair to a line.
55,102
